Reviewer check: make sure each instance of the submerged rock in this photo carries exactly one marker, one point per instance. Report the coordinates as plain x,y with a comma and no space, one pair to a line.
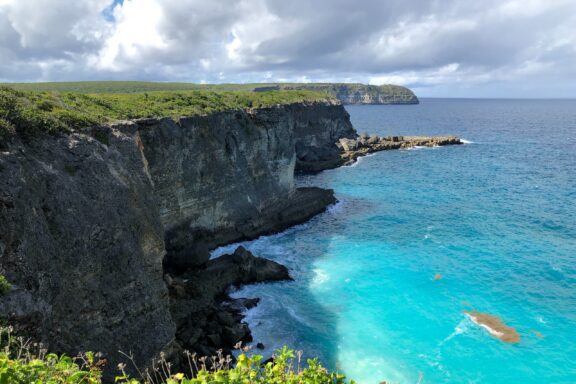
495,326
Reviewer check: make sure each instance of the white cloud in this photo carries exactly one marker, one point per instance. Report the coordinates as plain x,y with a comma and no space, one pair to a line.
136,31
422,43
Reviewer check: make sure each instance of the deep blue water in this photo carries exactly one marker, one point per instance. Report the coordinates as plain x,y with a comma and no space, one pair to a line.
495,217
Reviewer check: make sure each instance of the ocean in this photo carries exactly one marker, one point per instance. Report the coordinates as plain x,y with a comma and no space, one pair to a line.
495,218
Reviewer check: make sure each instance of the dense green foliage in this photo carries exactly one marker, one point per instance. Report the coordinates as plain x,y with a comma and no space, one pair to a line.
144,86
22,363
5,286
285,369
29,112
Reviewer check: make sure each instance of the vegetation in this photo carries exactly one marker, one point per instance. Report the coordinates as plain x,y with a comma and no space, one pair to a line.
5,286
144,86
29,112
22,363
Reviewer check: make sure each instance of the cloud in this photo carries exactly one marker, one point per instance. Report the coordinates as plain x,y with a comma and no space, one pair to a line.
426,44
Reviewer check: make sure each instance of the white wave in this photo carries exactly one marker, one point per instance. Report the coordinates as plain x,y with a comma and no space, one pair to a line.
333,208
359,160
301,319
540,319
462,327
492,331
252,244
320,277
467,141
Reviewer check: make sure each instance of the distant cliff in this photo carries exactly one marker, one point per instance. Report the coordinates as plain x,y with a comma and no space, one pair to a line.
354,93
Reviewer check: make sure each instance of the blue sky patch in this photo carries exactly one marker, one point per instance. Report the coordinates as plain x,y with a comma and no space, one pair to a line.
108,12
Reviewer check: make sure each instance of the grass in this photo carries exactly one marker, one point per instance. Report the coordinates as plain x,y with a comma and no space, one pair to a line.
27,113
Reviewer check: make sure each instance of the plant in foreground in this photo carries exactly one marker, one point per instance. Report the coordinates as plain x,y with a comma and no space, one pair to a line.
24,362
285,367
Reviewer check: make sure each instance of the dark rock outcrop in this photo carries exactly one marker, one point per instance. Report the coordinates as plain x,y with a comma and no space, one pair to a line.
351,149
86,219
206,317
83,247
316,135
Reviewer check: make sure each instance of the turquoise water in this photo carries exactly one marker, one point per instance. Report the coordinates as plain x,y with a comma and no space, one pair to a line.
495,217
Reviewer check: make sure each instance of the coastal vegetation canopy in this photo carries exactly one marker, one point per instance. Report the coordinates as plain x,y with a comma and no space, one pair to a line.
29,112
149,86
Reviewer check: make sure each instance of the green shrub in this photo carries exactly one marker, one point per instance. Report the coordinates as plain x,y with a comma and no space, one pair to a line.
28,113
285,369
22,362
5,286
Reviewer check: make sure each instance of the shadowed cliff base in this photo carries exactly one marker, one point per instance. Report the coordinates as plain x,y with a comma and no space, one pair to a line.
207,319
186,248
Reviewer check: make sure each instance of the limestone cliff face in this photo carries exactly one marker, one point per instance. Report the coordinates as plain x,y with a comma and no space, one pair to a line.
82,245
228,176
358,93
371,94
87,218
317,132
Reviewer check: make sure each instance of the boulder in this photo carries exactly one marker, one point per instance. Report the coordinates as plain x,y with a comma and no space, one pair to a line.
373,139
349,144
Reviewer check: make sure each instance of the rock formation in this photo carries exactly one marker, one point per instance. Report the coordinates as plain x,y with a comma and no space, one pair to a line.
83,246
351,93
207,319
105,233
351,149
88,218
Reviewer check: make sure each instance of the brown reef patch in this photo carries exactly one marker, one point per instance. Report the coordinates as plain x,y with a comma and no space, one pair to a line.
495,326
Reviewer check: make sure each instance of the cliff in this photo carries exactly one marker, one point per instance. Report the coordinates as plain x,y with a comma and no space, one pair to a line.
349,93
229,176
82,244
88,217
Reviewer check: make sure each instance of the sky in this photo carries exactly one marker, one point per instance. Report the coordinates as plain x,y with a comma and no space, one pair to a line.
438,48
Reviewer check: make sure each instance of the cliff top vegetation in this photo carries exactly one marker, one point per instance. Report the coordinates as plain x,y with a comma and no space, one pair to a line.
148,86
29,112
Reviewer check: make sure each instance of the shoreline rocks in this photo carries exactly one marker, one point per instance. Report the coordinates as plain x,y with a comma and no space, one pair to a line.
206,318
363,145
348,149
98,223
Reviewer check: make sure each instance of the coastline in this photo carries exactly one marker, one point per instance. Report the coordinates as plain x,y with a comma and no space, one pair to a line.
349,157
146,200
